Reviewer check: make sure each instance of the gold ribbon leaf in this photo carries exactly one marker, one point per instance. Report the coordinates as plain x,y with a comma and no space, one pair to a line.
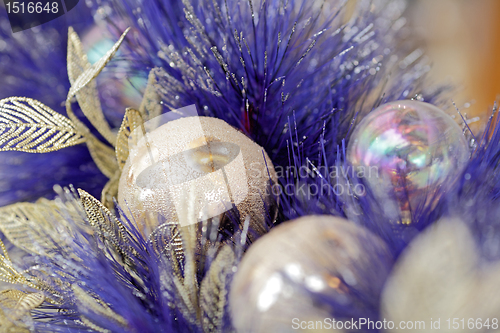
110,190
30,226
15,307
10,297
20,302
150,107
92,304
166,240
28,125
102,154
131,121
213,292
77,61
87,95
187,286
91,73
112,233
8,272
8,326
107,226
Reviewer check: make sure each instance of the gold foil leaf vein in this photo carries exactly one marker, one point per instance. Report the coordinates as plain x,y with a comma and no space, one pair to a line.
96,306
15,307
32,226
107,226
29,126
8,272
150,107
131,121
213,292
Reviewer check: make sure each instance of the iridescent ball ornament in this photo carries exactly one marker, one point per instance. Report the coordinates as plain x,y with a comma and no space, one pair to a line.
118,87
193,169
407,152
306,270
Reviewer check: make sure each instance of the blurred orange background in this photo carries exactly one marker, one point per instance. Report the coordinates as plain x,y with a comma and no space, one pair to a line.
462,40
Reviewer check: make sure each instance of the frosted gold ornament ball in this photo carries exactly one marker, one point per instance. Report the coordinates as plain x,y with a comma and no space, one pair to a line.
195,168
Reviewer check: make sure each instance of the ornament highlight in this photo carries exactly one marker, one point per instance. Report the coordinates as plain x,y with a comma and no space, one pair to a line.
416,149
441,275
195,168
311,268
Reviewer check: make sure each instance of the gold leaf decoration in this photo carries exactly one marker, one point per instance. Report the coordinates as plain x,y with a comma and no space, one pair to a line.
110,191
150,107
10,297
213,292
8,272
15,307
108,227
8,326
87,95
102,154
77,61
98,307
131,121
178,245
112,233
24,302
186,285
91,73
30,226
30,126
27,216
166,240
24,226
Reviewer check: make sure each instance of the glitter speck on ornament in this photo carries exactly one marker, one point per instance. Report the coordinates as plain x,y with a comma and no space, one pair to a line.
417,150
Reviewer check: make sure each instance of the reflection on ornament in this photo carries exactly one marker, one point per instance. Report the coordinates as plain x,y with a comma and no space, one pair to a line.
119,85
415,148
440,276
195,168
312,268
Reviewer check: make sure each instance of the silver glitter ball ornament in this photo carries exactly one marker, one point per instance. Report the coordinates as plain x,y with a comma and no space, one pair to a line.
196,168
308,269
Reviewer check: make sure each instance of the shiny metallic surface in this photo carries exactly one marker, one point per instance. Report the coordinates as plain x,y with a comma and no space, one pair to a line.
195,168
311,268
